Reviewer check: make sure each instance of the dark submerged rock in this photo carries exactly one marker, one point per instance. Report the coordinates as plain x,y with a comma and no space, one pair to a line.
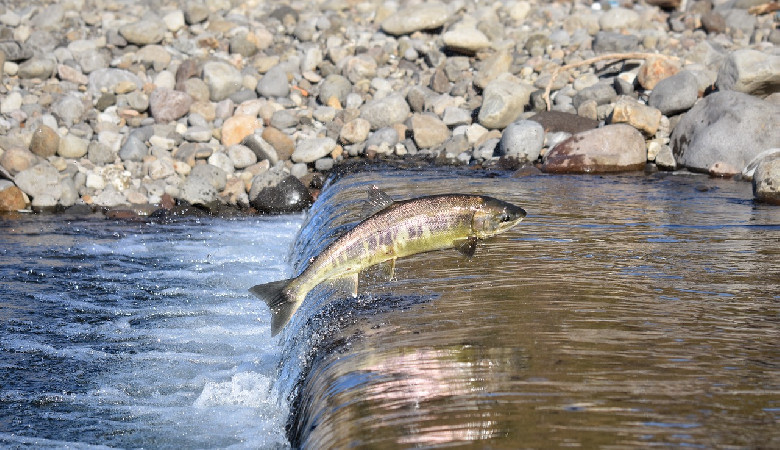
290,195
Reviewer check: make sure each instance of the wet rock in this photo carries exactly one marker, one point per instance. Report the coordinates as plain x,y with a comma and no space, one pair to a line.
386,111
420,17
559,121
766,181
45,141
222,79
236,128
11,197
727,127
503,100
675,94
290,195
312,149
428,130
750,71
643,118
143,32
167,105
613,148
522,140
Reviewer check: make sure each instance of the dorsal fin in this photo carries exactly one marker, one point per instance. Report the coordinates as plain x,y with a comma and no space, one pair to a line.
377,201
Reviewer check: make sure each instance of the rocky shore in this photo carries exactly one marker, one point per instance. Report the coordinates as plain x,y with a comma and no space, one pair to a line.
138,106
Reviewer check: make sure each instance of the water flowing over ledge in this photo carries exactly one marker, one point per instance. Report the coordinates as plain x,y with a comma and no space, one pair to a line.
628,310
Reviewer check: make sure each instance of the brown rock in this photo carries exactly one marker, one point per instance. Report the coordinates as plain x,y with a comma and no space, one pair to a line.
17,159
642,117
167,105
12,199
655,70
282,143
236,128
45,141
428,131
555,121
613,148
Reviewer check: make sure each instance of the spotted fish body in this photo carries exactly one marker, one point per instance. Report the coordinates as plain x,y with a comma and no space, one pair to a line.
397,230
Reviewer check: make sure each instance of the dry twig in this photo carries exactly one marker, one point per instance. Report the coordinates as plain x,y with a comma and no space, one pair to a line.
589,61
765,8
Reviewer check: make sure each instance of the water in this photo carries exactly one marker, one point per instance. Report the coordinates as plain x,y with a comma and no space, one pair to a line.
626,311
139,335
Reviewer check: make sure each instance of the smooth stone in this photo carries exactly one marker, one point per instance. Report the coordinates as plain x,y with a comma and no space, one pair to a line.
428,130
214,175
263,150
324,164
609,42
44,142
11,102
727,127
425,16
222,160
72,147
195,12
284,118
174,20
465,40
105,80
387,136
167,105
143,32
642,117
503,100
334,86
290,195
16,51
198,134
559,121
613,148
222,79
11,197
360,67
69,109
664,159
236,128
617,19
522,140
603,93
133,149
37,67
454,116
312,149
766,180
99,153
355,131
385,112
241,156
654,70
160,168
280,141
198,191
16,159
675,94
492,67
42,179
750,71
274,83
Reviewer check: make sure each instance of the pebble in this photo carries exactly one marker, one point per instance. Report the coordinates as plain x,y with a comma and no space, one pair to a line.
222,79
503,100
425,16
613,148
312,149
282,144
44,142
355,131
428,130
71,146
386,111
522,140
654,70
241,156
274,83
675,94
11,197
465,40
617,19
642,117
143,32
167,105
236,128
334,86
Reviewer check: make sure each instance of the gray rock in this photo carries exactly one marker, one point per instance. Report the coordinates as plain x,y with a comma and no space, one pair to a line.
741,20
607,42
428,130
503,100
454,116
167,105
198,134
195,12
93,60
465,39
750,168
99,153
143,32
728,128
312,149
274,83
69,195
284,118
37,67
222,78
360,67
386,111
522,140
675,94
198,191
323,164
335,86
387,136
72,147
210,173
290,195
269,178
69,109
49,18
602,92
665,158
750,71
16,51
355,131
39,180
133,149
613,148
424,16
262,149
104,80
617,19
241,156
766,180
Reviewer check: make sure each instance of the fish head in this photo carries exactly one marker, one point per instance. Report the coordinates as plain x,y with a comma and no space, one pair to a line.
494,216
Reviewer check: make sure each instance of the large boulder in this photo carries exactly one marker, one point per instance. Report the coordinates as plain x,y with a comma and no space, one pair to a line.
613,148
726,129
766,180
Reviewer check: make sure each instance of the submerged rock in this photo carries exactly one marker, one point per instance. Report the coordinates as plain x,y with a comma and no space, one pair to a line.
290,195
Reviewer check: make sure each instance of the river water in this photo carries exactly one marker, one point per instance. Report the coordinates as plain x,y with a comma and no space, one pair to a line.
624,311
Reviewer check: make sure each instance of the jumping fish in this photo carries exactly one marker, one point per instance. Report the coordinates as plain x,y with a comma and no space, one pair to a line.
395,230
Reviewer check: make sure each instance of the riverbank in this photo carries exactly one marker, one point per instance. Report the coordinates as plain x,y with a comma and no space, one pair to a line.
229,107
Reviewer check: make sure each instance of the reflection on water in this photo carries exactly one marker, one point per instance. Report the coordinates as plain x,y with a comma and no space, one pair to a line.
626,311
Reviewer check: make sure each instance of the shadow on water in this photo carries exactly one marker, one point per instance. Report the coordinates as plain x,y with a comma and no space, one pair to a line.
626,310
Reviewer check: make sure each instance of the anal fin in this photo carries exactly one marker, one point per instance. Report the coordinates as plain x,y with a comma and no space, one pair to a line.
467,246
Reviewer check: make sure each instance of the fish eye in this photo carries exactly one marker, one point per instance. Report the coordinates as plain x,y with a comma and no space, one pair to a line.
505,217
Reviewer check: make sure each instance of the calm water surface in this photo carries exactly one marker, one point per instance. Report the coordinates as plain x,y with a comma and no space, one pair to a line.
625,311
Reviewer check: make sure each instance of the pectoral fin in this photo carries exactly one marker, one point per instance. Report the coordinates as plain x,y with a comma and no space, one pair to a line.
467,246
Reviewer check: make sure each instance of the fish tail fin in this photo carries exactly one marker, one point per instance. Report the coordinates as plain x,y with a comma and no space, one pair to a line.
280,300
